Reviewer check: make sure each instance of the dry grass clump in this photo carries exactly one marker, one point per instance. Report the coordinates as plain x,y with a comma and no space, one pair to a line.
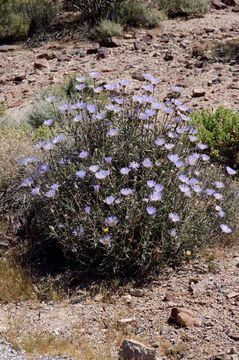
15,284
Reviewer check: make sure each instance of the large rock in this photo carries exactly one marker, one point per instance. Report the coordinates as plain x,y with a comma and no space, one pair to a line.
109,43
198,92
134,350
41,64
183,318
219,5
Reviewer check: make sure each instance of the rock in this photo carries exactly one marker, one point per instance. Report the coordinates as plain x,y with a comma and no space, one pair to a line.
136,292
127,299
172,295
41,64
183,318
198,92
134,350
9,48
126,321
234,336
138,76
168,56
109,43
233,295
236,9
19,78
139,45
219,5
229,2
103,53
128,36
92,51
99,297
47,56
147,39
164,38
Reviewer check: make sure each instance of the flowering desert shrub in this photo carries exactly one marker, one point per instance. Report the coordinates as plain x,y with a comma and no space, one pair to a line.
124,185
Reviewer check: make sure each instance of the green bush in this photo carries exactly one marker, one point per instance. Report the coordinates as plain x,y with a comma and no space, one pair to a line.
121,186
220,130
184,7
126,12
18,18
106,28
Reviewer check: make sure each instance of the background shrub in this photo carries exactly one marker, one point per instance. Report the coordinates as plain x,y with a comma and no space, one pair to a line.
220,130
18,18
106,28
124,185
184,7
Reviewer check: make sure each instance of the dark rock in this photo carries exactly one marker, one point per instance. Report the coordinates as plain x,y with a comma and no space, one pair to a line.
139,45
47,56
41,64
198,92
168,56
219,5
92,51
109,43
19,78
147,39
138,76
103,53
164,38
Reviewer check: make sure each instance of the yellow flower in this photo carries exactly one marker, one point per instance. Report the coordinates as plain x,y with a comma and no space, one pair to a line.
106,230
188,253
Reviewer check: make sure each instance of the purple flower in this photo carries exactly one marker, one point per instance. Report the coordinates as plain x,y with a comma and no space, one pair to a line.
111,221
225,228
110,87
220,211
218,196
159,187
176,88
77,118
80,87
124,82
113,132
81,79
168,110
48,122
64,107
174,217
173,232
87,209
151,183
81,174
156,196
125,171
169,146
197,189
193,159
151,210
127,191
58,139
27,182
48,145
102,174
26,160
83,154
150,88
94,75
94,168
193,138
98,89
219,184
108,159
183,178
173,158
101,115
51,99
143,116
230,171
159,142
43,168
202,146
50,193
55,186
186,190
80,105
78,231
157,106
210,192
185,117
96,188
147,163
193,181
150,112
134,165
91,108
205,157
35,191
149,126
172,135
106,240
110,200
